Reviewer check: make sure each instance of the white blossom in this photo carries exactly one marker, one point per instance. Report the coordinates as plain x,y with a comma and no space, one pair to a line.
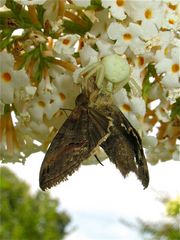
134,108
151,11
10,80
126,37
88,55
66,44
117,8
171,69
30,2
82,3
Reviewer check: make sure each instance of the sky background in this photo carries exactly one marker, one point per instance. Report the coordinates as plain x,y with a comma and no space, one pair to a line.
97,197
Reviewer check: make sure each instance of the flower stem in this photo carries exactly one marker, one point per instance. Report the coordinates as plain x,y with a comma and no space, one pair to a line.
74,18
33,14
69,66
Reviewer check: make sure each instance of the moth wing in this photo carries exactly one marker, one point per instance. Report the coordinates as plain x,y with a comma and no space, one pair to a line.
98,128
124,146
120,151
74,142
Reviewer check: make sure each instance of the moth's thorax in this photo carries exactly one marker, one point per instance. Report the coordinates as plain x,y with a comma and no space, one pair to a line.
103,100
82,99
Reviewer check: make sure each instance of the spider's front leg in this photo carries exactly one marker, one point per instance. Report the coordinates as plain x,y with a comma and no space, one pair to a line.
93,70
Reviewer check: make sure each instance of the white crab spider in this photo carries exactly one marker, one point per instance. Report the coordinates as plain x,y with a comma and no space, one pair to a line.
112,73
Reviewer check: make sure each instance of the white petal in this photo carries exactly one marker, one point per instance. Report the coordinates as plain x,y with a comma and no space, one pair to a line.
163,65
104,47
149,141
36,112
115,30
176,154
121,97
149,30
82,3
134,29
138,106
39,127
120,47
7,93
88,55
175,53
170,81
118,12
137,46
30,2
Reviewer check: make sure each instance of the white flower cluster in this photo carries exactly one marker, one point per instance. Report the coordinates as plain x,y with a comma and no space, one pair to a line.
35,92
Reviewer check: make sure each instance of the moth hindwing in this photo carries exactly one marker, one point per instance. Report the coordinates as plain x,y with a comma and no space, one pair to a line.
83,131
124,145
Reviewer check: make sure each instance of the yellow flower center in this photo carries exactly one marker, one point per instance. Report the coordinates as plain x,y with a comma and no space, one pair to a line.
148,14
127,36
62,96
6,77
175,68
120,3
173,7
126,107
66,41
41,104
171,21
166,51
140,61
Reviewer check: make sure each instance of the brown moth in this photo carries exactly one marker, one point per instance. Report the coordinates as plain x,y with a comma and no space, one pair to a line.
83,131
94,122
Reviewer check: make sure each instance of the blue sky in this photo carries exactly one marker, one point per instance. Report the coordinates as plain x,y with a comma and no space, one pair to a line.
97,196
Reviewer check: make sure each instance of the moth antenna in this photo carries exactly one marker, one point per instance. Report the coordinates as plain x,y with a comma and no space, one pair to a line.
66,109
98,160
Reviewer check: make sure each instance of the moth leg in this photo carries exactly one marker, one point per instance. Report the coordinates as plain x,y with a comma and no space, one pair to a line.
98,159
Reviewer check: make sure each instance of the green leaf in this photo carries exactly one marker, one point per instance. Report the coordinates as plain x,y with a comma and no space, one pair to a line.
5,38
95,4
26,216
127,87
151,72
175,111
7,108
76,55
74,28
40,12
20,15
14,6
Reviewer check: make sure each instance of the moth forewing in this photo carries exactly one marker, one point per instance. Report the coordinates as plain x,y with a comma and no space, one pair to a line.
83,131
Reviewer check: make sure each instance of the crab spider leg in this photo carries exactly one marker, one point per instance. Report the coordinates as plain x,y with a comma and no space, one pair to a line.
123,83
100,76
89,68
92,72
135,87
109,87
